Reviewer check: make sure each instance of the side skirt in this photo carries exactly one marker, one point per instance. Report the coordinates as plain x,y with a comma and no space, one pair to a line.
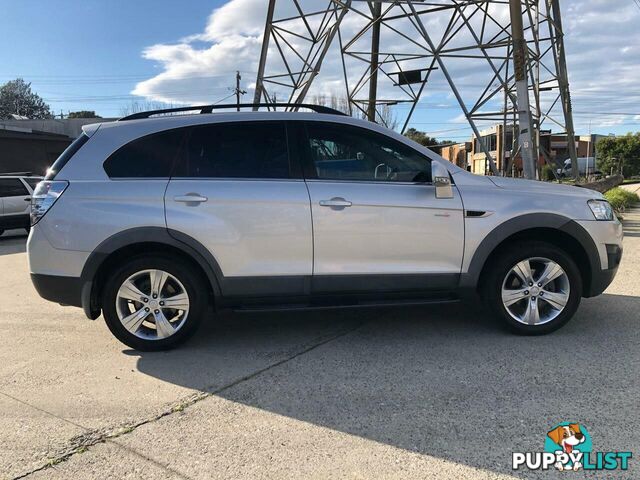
336,301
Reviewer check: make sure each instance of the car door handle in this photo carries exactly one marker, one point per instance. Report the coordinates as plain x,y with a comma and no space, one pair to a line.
190,198
335,202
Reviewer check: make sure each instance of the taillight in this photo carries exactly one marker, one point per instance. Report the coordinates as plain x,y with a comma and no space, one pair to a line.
44,196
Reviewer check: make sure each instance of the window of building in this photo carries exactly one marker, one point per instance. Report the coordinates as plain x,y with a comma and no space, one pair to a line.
235,150
491,142
341,152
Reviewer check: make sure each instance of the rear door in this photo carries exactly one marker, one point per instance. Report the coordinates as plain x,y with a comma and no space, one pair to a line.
15,198
376,220
238,192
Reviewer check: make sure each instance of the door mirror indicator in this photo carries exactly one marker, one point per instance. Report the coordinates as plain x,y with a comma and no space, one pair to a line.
441,180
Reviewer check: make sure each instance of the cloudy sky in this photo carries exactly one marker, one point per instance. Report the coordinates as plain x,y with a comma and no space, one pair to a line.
97,57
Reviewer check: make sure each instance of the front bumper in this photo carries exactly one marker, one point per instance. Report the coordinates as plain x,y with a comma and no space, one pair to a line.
601,279
607,237
604,234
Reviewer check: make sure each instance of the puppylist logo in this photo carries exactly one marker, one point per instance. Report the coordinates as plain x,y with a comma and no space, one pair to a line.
568,447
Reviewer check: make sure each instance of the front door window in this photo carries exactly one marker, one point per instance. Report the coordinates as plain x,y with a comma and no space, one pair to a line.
341,152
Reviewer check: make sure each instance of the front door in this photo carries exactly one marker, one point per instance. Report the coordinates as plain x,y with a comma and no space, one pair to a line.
377,224
236,193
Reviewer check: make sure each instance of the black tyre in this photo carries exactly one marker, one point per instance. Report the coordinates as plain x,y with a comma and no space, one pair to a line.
153,302
1,231
533,287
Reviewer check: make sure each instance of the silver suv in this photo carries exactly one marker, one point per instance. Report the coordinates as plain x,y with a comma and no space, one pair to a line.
15,195
151,219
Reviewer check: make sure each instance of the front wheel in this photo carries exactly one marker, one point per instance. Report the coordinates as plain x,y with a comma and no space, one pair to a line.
535,288
153,302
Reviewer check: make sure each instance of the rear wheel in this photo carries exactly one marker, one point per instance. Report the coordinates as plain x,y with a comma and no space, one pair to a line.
153,302
535,288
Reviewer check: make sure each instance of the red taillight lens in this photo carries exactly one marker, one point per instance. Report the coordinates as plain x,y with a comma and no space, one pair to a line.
44,196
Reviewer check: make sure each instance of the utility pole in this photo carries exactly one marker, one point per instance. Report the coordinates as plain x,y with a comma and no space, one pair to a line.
376,8
238,91
525,123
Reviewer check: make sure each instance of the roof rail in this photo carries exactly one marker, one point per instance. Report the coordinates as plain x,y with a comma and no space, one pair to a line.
211,108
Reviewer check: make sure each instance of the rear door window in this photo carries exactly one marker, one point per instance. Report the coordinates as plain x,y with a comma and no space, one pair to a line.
12,187
236,150
147,157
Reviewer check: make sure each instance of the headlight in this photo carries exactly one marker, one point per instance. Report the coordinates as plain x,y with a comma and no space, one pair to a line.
601,209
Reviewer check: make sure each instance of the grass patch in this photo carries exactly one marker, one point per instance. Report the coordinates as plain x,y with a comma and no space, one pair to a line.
620,199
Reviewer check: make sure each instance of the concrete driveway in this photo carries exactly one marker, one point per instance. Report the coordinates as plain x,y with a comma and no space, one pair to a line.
429,392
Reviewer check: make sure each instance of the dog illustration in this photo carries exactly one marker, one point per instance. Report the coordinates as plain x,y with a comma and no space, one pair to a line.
567,437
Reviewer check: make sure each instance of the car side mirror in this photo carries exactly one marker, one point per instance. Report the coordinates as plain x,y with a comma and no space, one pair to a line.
441,180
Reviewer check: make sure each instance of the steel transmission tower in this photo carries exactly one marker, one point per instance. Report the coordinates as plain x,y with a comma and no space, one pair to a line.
402,53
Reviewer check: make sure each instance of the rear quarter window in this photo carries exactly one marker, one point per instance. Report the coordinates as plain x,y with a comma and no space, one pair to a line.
146,157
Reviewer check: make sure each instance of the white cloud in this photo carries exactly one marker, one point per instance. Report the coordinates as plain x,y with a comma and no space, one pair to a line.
601,41
193,73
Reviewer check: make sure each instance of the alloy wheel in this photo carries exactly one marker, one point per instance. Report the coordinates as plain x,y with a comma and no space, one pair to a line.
152,304
535,291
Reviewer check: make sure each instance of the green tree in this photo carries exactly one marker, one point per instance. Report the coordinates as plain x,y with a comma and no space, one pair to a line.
619,154
424,139
84,114
16,98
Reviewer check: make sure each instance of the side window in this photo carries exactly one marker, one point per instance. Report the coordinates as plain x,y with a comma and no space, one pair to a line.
33,181
147,157
341,152
12,187
236,150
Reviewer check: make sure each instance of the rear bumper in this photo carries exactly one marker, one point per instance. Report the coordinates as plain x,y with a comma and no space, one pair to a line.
63,290
72,291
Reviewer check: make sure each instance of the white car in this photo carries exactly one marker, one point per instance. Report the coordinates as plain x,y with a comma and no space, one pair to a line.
15,198
148,220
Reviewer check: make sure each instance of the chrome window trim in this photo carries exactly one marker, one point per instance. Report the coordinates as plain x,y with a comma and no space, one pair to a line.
227,179
376,182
